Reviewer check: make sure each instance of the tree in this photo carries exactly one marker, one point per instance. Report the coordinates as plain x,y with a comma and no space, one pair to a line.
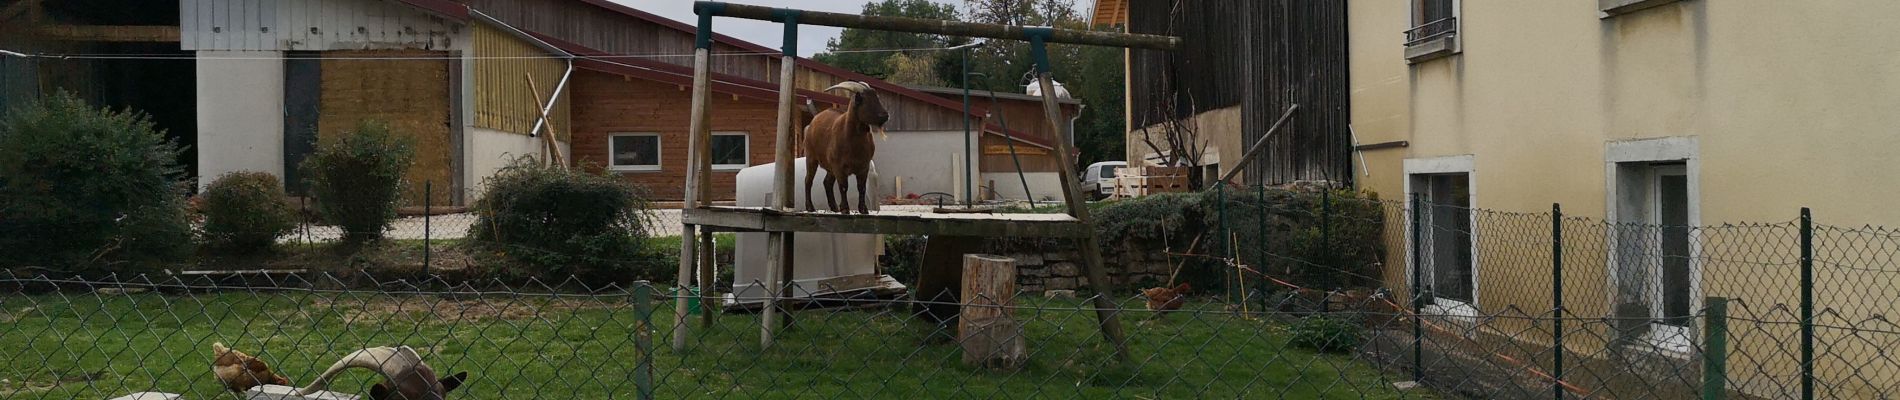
843,52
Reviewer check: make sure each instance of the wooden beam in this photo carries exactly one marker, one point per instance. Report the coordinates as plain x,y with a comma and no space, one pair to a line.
749,219
940,27
108,33
1383,145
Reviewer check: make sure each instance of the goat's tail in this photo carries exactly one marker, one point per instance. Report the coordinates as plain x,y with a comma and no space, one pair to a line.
379,359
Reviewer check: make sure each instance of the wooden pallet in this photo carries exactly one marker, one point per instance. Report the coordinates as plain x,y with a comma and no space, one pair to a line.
1143,181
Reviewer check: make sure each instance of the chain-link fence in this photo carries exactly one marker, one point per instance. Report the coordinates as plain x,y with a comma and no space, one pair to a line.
1295,294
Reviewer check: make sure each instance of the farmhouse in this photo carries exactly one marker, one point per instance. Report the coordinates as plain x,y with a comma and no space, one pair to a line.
260,81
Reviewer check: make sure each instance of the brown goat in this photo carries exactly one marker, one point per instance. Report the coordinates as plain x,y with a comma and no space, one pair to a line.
839,140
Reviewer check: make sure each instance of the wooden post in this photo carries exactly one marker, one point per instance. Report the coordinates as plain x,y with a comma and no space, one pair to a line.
782,160
547,141
695,176
1105,307
988,331
768,322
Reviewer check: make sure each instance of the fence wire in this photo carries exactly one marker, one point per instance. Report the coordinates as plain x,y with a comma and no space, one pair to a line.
1298,294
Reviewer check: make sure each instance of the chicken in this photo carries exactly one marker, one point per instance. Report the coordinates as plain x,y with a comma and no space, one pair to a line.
240,372
1162,299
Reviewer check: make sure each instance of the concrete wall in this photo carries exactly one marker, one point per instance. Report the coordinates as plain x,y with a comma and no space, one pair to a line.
240,113
489,150
1790,105
1219,129
925,160
1042,185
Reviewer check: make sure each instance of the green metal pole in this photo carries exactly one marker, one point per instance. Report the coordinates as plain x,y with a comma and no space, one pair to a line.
643,338
1418,294
1226,248
1807,304
1715,350
1557,299
967,176
1260,232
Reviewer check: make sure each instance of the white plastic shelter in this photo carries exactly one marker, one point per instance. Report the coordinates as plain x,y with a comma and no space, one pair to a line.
828,263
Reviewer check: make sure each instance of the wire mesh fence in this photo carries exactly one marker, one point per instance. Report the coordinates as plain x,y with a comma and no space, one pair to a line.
1297,294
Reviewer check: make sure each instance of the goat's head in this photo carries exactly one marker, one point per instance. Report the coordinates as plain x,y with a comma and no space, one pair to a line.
865,107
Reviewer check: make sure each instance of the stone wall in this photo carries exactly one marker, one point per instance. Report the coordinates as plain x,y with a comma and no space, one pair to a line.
1062,270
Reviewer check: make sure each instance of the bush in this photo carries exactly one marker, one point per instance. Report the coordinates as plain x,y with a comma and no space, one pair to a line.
1326,334
559,222
357,179
88,189
245,212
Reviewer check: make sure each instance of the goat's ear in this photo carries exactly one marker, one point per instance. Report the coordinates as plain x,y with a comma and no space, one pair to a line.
454,381
379,392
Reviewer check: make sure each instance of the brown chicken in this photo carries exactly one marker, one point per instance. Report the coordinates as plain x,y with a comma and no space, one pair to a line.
240,372
1162,299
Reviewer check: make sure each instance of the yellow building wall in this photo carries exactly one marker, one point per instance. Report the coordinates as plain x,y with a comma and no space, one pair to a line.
503,99
1791,104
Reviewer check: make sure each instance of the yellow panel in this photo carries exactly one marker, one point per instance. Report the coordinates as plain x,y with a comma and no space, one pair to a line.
503,100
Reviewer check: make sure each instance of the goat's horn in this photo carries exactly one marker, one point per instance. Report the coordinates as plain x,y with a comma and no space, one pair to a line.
851,86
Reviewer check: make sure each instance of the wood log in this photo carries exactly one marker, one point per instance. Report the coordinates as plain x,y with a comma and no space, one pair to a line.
989,287
988,331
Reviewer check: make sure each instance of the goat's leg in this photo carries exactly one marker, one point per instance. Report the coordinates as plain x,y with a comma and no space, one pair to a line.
831,200
863,206
844,194
811,172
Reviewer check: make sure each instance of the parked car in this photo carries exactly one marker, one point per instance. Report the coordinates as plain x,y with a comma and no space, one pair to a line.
1099,179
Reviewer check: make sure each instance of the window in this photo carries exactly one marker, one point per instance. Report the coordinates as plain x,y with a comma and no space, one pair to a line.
1613,8
1655,272
634,151
730,151
1447,260
1108,171
1434,31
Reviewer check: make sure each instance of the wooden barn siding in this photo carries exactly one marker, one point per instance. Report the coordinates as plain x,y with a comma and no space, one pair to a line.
503,100
910,114
607,103
1263,55
996,157
411,95
269,25
620,34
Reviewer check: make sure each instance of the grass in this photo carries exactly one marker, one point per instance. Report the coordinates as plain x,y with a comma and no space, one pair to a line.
85,345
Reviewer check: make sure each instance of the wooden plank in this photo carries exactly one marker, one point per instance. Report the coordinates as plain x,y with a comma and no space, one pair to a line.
737,219
944,27
108,33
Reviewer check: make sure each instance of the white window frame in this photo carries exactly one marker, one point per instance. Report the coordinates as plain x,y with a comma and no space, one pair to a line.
659,155
1416,168
1667,339
747,151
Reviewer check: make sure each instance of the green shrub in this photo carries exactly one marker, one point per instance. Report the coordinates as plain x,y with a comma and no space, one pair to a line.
903,257
357,179
245,212
1326,333
559,222
88,189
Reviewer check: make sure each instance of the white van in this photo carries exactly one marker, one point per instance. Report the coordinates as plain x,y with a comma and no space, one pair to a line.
1099,179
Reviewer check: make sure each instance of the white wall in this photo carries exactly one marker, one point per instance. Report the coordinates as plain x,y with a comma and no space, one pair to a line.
240,113
924,160
1043,185
309,25
488,150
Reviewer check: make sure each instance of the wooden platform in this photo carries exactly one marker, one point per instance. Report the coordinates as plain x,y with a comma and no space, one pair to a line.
759,219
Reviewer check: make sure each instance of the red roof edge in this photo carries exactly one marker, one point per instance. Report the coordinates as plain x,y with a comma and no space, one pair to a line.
678,74
803,62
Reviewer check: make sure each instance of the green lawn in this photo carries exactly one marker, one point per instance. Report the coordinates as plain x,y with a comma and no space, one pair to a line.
89,346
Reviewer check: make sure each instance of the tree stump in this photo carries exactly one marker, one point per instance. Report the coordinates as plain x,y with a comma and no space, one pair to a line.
988,331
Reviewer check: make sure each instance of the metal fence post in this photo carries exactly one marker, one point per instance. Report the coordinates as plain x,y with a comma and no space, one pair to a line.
1260,235
1715,350
643,338
1227,245
1807,304
1557,300
428,194
1418,293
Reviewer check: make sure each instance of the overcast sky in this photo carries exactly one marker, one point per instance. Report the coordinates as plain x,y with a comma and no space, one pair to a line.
811,39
